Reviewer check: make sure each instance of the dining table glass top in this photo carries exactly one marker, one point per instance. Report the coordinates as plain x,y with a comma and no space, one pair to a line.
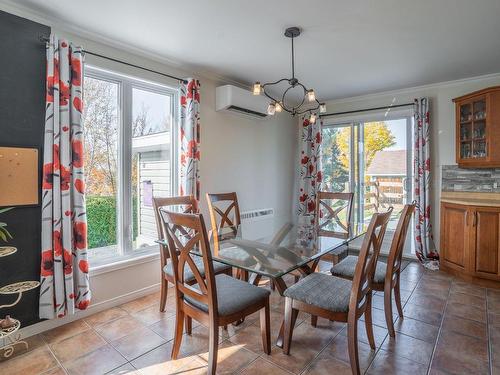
289,248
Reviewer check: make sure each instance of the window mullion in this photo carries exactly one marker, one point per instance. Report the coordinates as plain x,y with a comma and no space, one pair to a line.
125,212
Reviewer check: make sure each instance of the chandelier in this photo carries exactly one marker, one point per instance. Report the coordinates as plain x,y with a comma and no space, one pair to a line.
308,104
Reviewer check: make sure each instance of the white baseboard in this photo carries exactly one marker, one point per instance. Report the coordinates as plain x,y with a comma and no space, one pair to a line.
93,308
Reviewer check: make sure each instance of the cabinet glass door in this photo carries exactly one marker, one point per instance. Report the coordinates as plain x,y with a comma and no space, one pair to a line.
479,149
466,131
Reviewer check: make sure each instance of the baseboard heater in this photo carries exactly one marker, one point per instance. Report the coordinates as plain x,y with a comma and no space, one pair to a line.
258,214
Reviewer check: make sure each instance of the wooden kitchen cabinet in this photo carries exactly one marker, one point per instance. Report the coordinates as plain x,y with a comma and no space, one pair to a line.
470,240
478,129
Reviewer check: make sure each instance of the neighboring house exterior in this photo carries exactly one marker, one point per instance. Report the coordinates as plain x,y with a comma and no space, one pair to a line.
387,174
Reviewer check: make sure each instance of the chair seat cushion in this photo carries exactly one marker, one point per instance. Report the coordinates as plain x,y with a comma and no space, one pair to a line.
347,266
188,274
233,295
322,290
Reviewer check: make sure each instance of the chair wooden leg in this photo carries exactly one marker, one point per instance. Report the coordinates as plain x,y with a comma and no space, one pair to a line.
164,293
352,343
290,319
397,297
189,324
213,348
368,321
179,328
265,328
314,320
388,310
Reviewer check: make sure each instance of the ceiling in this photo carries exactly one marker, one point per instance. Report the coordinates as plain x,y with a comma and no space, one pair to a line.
347,48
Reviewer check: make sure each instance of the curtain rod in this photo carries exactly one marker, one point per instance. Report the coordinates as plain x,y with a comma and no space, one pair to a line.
44,39
366,110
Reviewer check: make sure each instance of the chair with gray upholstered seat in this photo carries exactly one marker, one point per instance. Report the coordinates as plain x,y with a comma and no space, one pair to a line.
214,301
386,277
186,204
339,299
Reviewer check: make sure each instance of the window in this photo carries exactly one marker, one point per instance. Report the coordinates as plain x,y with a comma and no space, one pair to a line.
129,128
373,159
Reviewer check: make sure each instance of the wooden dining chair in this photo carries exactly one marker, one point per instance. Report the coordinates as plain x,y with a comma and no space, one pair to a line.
339,299
386,277
224,213
185,204
215,300
334,213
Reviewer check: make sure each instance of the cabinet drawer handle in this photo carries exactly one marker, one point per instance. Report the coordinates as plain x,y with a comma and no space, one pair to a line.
474,222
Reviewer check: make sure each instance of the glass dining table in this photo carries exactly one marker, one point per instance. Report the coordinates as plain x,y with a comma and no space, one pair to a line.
292,249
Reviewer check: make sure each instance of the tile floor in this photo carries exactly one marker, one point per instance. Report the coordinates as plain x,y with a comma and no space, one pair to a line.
450,327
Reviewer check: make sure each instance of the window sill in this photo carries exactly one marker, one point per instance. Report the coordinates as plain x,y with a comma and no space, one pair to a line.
124,262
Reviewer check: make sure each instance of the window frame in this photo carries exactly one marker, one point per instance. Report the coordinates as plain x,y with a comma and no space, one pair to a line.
356,181
124,200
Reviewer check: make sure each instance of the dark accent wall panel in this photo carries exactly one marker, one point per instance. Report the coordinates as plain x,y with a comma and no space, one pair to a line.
22,113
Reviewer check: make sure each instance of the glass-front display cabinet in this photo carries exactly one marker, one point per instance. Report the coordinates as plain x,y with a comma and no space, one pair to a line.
478,129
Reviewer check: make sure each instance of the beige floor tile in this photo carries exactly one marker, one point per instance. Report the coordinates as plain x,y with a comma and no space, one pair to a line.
386,363
118,328
379,333
263,366
142,302
409,348
126,369
65,331
98,362
325,364
152,314
457,353
159,362
58,370
165,327
34,362
464,326
466,311
138,342
105,316
338,349
231,358
417,329
77,346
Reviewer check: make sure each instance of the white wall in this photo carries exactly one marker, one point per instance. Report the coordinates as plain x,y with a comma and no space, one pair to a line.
442,121
252,157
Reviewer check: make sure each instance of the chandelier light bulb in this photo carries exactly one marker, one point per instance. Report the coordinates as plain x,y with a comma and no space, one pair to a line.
278,107
322,108
271,109
257,88
312,118
311,96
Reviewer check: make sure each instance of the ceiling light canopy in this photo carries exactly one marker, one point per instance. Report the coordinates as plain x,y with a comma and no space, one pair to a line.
309,103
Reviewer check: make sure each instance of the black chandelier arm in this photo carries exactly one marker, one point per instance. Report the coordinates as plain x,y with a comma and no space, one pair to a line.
275,83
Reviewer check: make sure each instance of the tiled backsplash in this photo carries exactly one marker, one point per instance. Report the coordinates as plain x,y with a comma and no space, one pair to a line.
460,179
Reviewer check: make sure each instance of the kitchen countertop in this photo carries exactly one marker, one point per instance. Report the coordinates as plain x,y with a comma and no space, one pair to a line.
471,198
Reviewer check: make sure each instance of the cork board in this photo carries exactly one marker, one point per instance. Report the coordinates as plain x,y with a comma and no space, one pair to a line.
18,176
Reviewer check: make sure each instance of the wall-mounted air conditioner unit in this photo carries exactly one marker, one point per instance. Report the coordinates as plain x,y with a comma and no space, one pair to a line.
236,100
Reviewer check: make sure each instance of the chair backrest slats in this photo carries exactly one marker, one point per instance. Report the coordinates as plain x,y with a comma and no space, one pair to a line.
328,214
367,260
180,247
398,241
224,213
186,203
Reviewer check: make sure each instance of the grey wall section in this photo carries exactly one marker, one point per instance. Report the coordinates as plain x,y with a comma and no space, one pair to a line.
22,113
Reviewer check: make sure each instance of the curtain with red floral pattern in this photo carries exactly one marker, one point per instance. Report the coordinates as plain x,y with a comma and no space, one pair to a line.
64,266
310,176
425,248
190,138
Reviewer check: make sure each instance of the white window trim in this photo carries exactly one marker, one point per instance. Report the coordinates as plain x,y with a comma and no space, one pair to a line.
126,84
